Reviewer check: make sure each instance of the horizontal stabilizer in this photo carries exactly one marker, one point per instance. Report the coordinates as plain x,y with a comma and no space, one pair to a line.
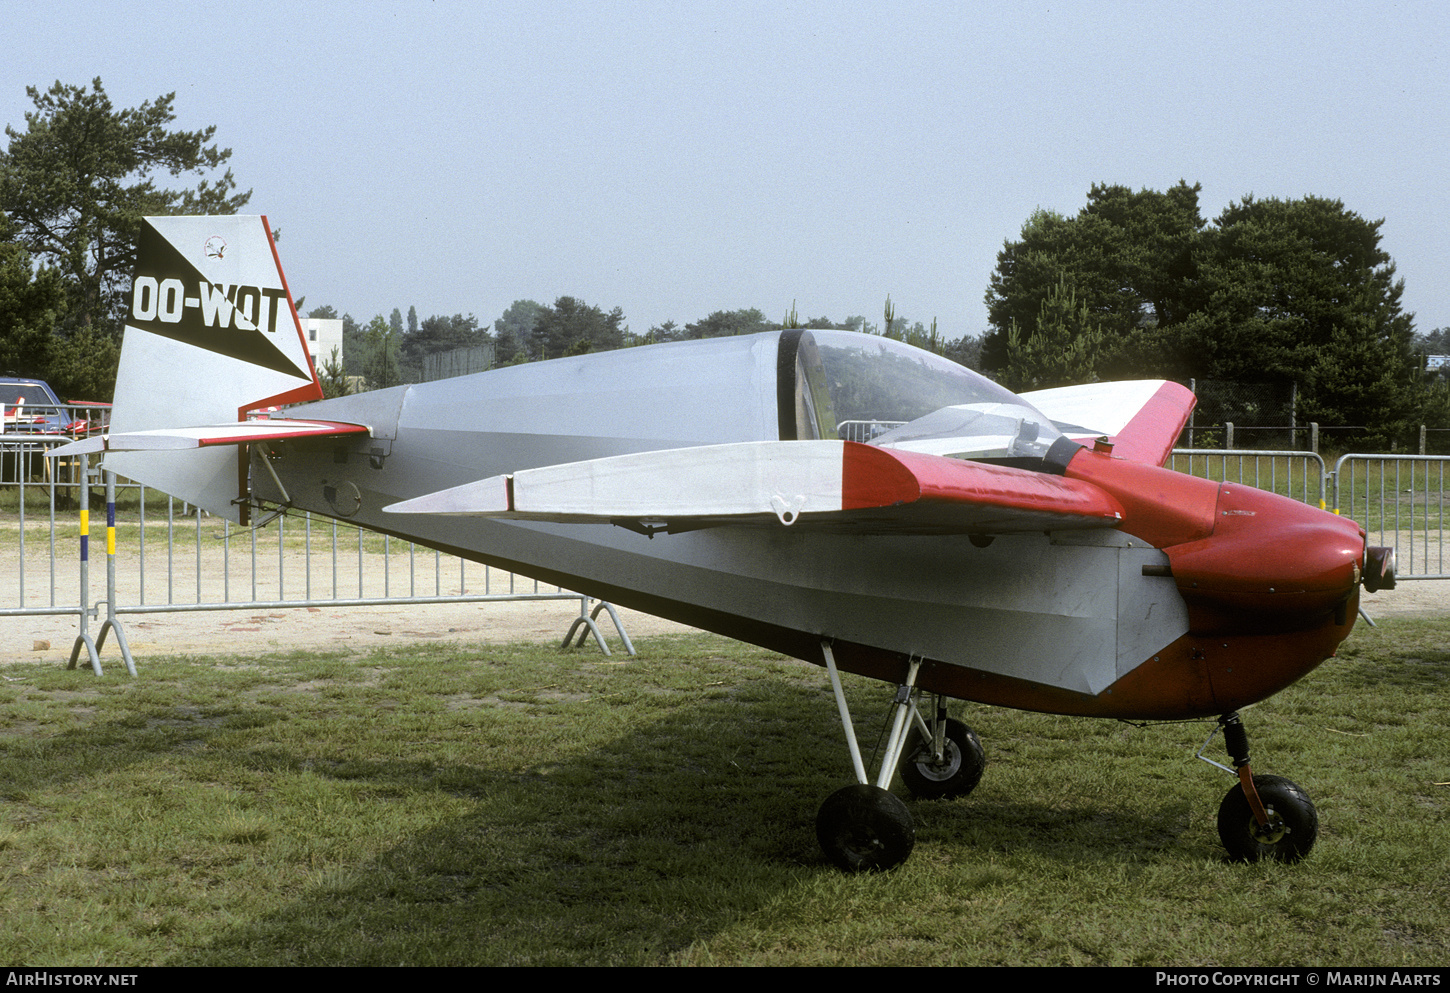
1142,418
205,436
832,484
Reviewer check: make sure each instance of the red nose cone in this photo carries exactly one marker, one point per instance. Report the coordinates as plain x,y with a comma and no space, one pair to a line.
1270,554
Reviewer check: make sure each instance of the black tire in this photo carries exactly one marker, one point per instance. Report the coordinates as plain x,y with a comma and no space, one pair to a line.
1293,822
959,772
865,829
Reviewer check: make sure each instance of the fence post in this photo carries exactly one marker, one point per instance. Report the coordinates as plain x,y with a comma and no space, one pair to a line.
1228,434
1422,439
1314,437
84,639
112,622
1192,388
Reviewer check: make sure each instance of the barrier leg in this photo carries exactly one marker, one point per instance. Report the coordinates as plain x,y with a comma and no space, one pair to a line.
84,637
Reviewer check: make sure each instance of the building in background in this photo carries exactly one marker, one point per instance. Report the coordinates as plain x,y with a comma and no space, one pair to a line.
323,334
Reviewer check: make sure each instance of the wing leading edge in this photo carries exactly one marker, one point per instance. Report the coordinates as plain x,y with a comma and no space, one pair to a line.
829,484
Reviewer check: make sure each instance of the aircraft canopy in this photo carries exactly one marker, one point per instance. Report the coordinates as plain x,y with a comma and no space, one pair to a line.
887,393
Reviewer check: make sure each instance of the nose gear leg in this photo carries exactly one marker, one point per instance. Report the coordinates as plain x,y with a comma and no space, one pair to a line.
1263,816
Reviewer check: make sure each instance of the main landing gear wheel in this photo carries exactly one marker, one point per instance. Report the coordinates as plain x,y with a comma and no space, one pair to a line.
865,829
1289,835
958,772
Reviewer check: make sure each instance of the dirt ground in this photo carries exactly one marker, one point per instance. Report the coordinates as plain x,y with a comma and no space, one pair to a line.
40,638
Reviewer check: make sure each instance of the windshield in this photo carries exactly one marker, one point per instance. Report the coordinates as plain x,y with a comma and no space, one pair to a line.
865,388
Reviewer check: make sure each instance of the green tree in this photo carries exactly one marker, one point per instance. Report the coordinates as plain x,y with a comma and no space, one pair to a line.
1288,291
572,327
668,331
513,332
1128,257
379,348
724,323
1061,348
1301,291
83,366
80,365
334,380
77,181
966,350
355,351
1433,342
31,302
441,334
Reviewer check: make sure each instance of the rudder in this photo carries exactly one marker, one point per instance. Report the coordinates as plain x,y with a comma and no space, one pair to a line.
211,333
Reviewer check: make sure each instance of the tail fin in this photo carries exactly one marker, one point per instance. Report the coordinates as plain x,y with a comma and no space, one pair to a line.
211,333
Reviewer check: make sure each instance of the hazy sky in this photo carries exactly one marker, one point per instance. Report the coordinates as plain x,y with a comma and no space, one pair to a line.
675,159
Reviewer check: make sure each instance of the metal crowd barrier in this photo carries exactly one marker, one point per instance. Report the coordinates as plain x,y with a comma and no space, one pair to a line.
1300,475
208,564
1399,500
864,431
28,479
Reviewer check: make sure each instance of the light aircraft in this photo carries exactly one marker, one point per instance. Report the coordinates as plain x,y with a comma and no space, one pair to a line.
837,497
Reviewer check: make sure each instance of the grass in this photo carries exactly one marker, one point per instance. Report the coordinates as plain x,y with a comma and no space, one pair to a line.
519,805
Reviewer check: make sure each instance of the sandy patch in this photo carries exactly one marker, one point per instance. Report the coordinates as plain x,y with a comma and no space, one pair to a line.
320,628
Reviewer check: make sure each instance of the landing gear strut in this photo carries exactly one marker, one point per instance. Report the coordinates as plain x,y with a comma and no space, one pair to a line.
1263,817
867,828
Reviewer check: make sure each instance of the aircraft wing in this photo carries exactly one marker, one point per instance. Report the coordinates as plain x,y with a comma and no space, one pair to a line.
205,436
826,484
1142,418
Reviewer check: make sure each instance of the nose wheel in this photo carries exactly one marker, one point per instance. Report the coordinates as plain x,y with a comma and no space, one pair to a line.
1290,826
1263,817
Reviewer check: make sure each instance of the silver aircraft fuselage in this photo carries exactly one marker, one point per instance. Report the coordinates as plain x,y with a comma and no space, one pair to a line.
1047,620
